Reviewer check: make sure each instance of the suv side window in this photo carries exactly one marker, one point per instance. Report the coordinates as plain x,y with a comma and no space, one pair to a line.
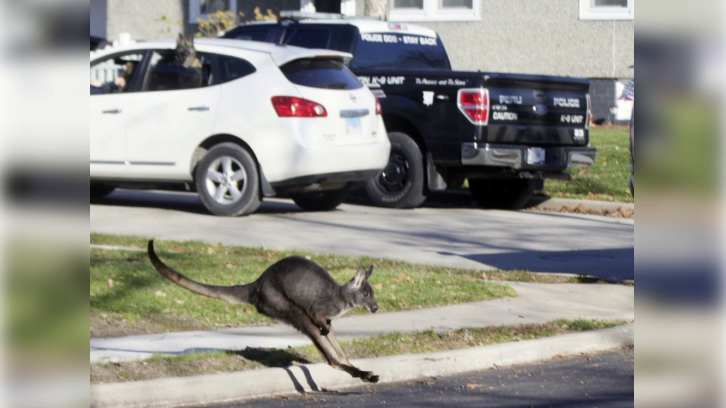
116,74
231,68
164,74
309,38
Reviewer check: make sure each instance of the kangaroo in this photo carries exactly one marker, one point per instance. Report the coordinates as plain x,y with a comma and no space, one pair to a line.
298,292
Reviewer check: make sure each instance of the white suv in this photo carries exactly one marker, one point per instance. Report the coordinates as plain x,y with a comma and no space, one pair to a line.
249,120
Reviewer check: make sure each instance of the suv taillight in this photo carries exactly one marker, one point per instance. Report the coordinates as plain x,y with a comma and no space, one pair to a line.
379,110
589,112
290,106
474,104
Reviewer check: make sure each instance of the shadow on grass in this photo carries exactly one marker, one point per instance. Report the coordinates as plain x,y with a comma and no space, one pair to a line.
133,272
269,357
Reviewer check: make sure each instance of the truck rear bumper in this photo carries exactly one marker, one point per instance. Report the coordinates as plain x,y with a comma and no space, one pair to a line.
520,157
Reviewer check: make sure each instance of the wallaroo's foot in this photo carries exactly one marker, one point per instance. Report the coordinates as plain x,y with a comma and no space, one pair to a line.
368,376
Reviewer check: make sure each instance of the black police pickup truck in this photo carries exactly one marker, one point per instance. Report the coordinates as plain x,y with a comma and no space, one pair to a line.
504,133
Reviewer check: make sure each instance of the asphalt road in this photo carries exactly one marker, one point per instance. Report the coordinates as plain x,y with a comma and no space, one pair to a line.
451,236
603,381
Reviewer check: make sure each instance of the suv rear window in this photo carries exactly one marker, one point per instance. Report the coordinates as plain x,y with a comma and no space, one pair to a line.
324,73
394,50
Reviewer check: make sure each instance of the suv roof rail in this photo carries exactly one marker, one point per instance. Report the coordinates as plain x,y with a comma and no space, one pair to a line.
297,15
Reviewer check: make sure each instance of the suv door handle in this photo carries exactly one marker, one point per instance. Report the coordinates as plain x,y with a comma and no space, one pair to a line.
112,111
199,108
442,97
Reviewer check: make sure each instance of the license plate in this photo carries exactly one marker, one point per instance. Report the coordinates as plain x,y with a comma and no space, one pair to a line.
535,155
353,126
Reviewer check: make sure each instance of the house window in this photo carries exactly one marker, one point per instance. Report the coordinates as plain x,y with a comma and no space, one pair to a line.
607,9
201,8
434,10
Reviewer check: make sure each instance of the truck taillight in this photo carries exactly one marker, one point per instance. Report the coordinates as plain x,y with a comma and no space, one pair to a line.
290,106
589,112
379,110
474,104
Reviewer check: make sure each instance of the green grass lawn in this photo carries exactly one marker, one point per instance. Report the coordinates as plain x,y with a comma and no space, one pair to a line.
608,179
127,295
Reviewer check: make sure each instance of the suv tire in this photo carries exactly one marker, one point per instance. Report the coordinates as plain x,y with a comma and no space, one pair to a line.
320,200
227,181
401,185
511,194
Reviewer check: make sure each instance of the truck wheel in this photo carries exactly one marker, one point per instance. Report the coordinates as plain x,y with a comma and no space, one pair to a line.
227,181
401,185
320,200
510,194
100,190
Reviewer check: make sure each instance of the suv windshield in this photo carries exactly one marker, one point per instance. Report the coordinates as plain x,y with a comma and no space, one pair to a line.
320,73
389,50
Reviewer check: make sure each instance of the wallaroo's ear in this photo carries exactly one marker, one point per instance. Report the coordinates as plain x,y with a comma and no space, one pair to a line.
179,38
360,276
369,272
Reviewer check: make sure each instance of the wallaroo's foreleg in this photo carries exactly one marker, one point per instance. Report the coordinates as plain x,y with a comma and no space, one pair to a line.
324,345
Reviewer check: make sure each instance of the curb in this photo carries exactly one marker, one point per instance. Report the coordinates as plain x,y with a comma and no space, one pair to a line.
583,206
543,203
228,387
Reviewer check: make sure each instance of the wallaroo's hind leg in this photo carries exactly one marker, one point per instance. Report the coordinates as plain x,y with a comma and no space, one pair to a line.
302,322
339,350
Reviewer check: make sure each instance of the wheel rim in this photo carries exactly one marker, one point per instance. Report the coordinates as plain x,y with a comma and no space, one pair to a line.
226,180
395,176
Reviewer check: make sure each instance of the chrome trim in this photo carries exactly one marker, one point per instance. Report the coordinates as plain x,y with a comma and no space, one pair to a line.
354,113
108,162
581,159
112,111
378,93
491,156
151,163
199,108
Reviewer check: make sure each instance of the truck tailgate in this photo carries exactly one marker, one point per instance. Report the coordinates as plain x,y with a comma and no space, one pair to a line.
541,110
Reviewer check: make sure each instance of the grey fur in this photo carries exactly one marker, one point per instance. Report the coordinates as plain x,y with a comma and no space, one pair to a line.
299,292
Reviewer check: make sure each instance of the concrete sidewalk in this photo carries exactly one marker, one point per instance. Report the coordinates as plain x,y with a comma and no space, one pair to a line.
535,303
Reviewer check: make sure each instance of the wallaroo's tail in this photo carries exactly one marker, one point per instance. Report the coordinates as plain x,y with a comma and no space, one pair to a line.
233,294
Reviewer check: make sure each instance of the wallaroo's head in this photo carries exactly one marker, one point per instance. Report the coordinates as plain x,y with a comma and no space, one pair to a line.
360,292
185,52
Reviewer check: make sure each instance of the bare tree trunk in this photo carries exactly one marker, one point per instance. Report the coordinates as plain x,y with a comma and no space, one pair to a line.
377,8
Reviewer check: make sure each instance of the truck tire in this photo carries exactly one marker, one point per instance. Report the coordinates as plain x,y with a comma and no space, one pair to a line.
401,185
320,200
100,190
227,181
511,194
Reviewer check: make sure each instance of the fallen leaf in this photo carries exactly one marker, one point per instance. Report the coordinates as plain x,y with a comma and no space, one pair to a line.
181,302
378,286
484,276
160,293
308,257
210,250
230,266
110,283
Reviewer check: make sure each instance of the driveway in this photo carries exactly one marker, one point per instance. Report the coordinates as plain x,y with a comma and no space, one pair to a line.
454,237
